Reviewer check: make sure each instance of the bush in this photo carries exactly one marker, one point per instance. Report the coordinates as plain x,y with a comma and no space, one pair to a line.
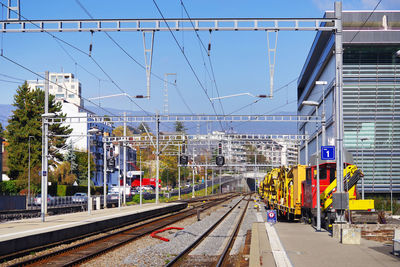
9,187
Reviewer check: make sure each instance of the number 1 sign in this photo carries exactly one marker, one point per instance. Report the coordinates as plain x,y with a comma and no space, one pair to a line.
327,152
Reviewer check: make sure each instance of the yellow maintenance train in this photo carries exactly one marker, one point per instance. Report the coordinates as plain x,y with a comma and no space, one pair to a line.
293,192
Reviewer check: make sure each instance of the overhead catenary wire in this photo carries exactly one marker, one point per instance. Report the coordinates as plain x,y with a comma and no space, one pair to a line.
207,51
362,26
119,46
85,53
44,78
187,61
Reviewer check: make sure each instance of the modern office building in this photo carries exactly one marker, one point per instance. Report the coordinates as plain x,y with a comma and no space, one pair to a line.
371,94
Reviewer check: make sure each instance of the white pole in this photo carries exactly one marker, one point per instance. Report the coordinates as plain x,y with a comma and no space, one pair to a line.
318,189
105,174
206,177
119,175
157,154
193,175
124,184
212,182
179,173
140,177
88,176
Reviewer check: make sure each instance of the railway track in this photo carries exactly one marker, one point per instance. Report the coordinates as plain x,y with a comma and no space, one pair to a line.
223,258
87,250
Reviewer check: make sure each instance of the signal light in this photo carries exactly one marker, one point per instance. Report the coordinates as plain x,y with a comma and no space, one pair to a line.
219,148
183,160
220,160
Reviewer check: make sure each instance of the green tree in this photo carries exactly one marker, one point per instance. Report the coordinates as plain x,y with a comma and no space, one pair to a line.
1,130
119,131
142,127
26,121
71,158
179,127
82,173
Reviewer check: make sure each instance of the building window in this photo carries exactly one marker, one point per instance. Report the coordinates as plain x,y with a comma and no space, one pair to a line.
73,86
59,89
53,78
71,96
60,95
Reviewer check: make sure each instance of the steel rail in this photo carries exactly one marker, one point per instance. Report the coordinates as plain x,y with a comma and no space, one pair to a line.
193,245
82,257
222,259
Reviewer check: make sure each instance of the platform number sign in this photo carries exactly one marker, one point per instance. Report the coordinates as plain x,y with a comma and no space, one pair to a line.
271,216
327,152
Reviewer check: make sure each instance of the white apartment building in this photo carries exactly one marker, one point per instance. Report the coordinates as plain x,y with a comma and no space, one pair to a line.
63,86
67,91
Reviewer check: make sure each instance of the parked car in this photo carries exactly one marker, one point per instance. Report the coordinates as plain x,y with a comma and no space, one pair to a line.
79,198
38,200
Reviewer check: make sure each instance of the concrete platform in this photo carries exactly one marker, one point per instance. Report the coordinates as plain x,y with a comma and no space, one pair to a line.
306,247
296,244
29,233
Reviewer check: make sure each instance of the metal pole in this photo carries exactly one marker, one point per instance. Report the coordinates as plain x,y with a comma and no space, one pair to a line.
119,175
255,168
339,103
362,168
192,181
323,123
88,175
124,160
220,184
212,182
140,177
206,176
45,151
306,148
179,173
193,174
157,154
318,189
29,172
105,175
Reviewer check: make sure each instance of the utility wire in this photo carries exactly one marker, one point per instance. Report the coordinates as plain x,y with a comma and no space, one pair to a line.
11,77
44,78
120,47
362,26
209,58
85,53
188,62
7,81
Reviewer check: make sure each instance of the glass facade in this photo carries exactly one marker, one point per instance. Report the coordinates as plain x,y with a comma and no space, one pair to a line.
371,110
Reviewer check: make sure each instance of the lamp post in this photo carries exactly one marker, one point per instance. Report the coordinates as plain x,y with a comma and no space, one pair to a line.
193,174
362,165
89,134
29,171
323,83
45,152
316,104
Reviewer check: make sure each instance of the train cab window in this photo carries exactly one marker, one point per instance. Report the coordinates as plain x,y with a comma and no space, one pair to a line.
322,173
308,174
332,174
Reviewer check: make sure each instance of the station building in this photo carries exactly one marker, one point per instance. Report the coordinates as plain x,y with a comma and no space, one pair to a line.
371,95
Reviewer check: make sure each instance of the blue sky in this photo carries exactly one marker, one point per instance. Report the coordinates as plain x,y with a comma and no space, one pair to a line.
239,58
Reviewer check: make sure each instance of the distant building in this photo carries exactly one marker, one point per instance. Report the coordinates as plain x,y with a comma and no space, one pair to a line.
63,86
371,94
67,91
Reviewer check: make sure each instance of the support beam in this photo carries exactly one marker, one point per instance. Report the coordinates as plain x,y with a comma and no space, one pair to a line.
148,57
187,118
149,25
